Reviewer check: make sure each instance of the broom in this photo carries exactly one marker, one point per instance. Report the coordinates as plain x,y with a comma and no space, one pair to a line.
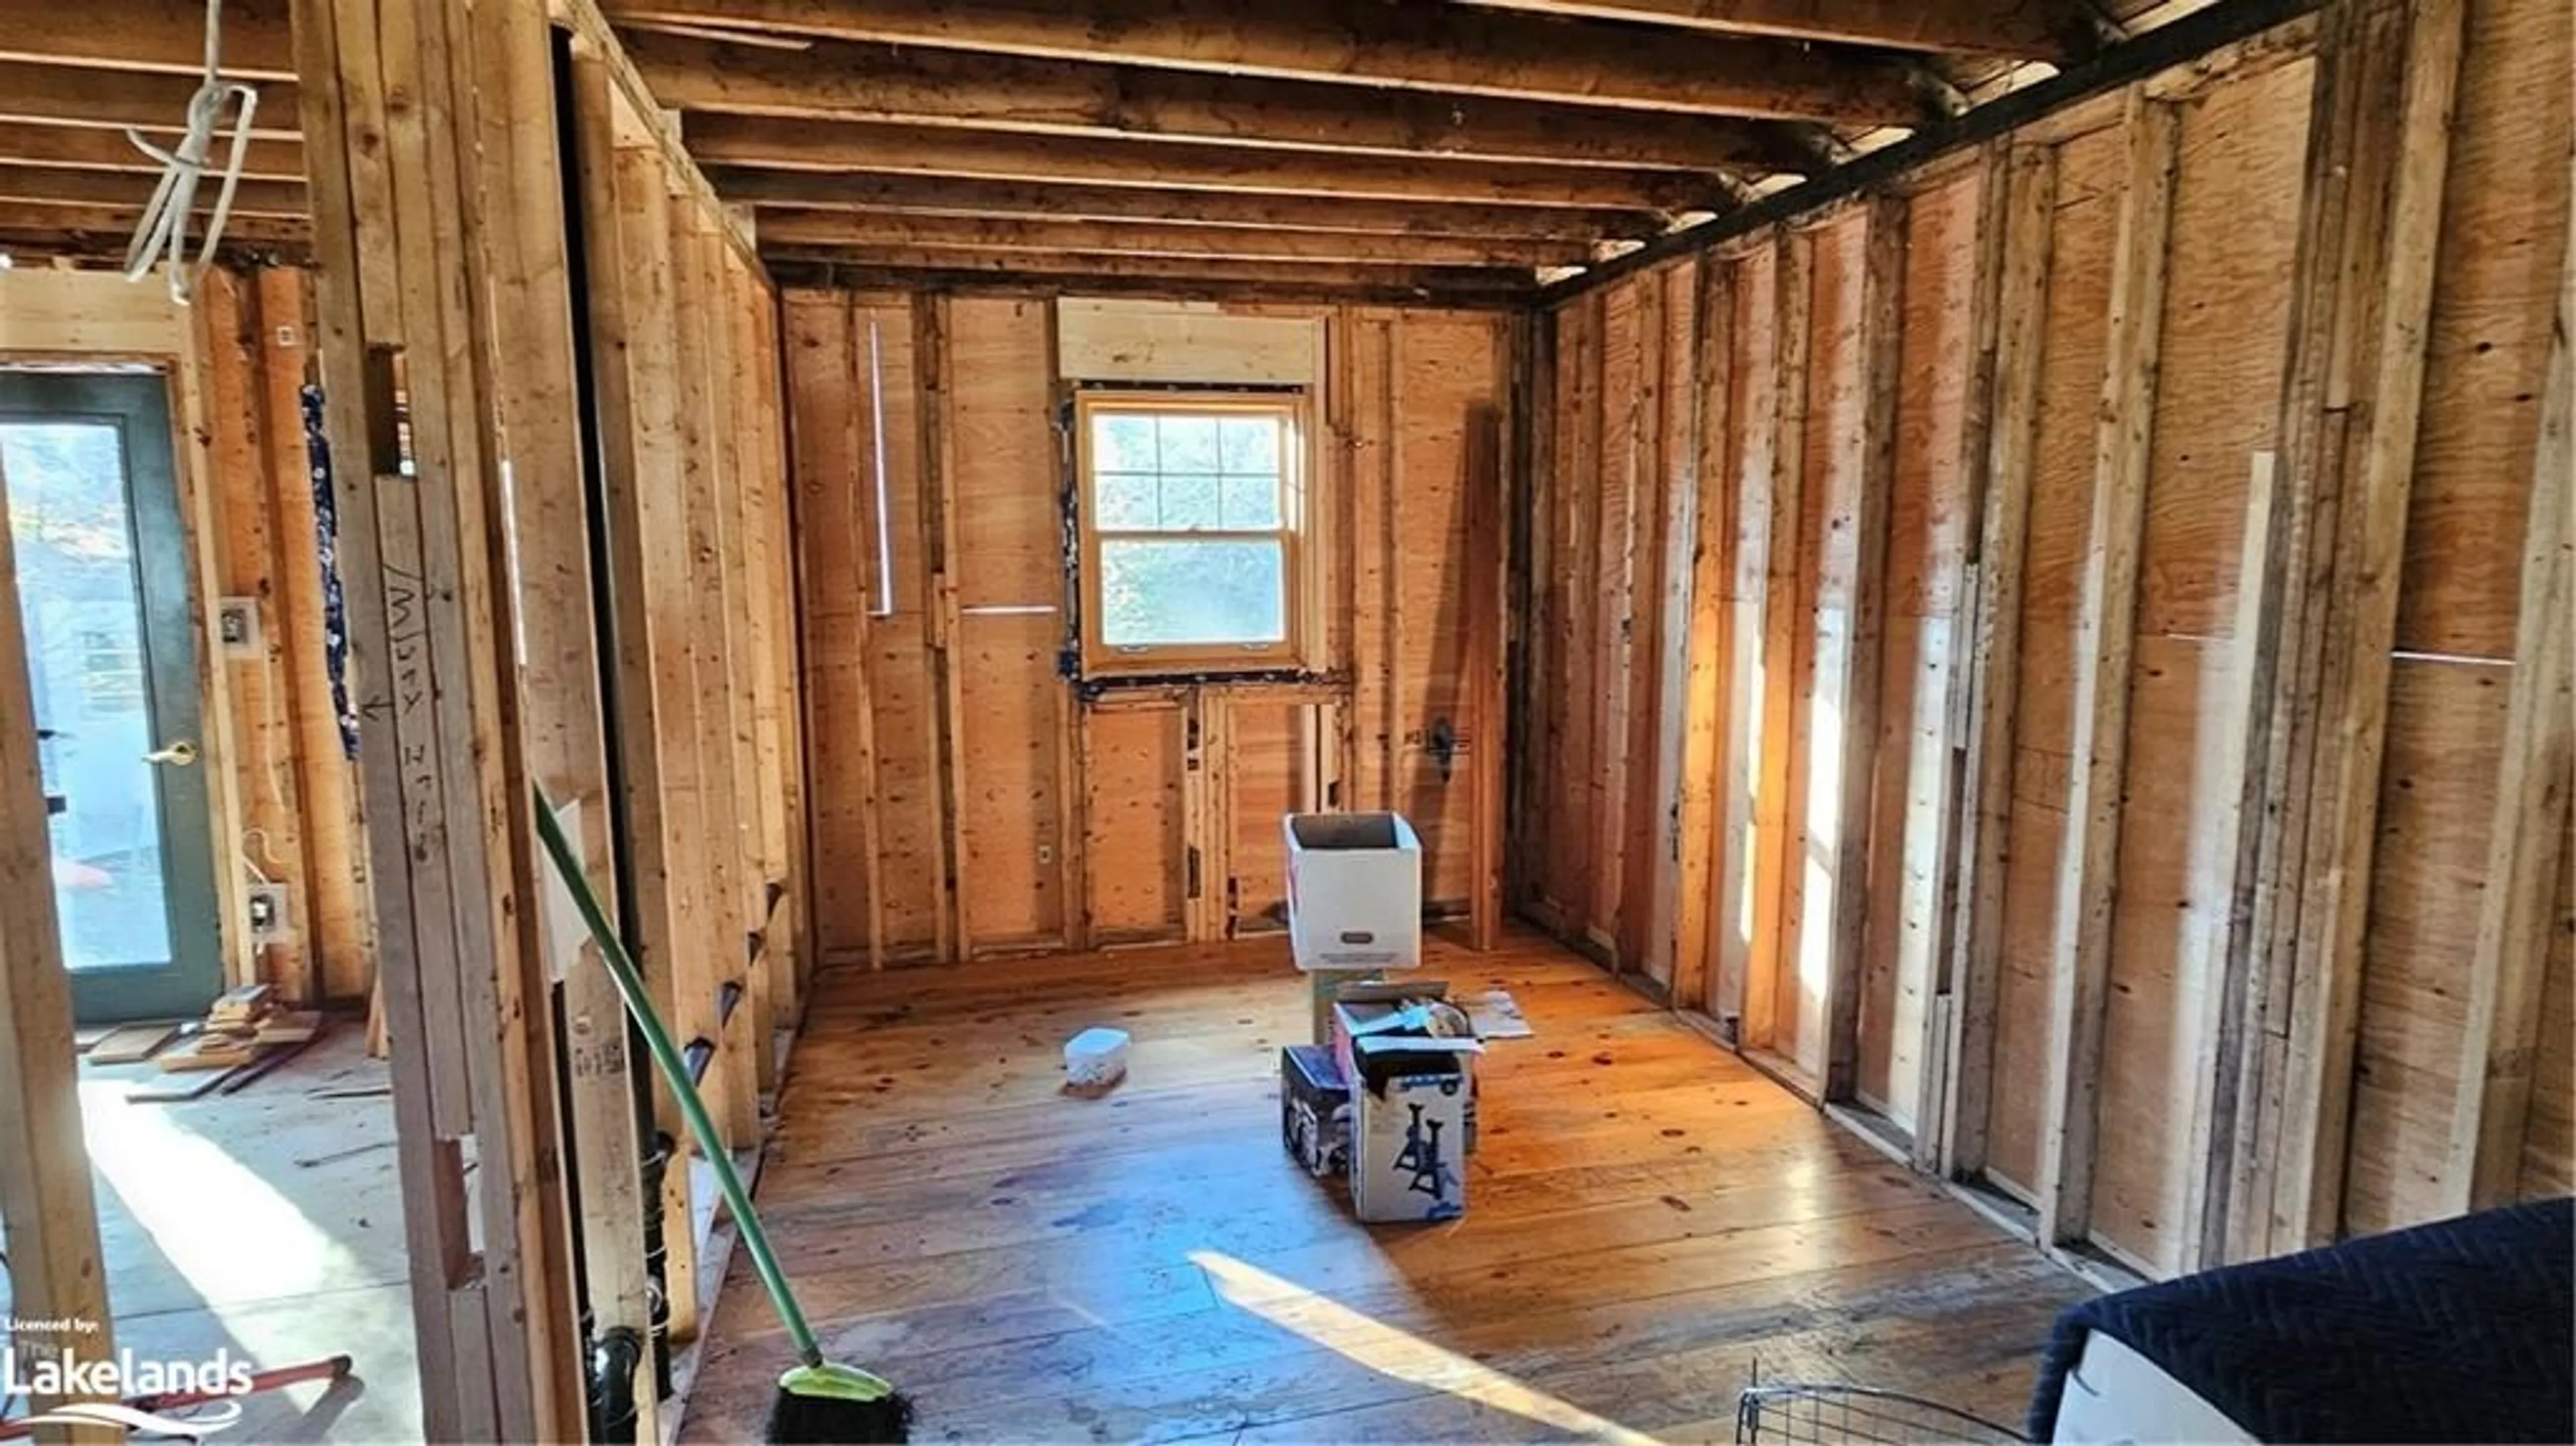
818,1400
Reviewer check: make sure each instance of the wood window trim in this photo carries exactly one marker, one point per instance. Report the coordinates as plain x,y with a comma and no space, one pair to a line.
1297,535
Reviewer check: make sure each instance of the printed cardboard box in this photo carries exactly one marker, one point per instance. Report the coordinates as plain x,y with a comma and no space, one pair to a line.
1414,1099
1314,1111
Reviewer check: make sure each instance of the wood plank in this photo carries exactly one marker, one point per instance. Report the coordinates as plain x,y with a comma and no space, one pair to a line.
267,805
855,232
161,35
936,380
850,146
1793,266
353,302
81,186
538,385
1716,1218
1855,682
1469,52
2326,1016
2106,638
30,143
1489,498
72,95
338,929
2359,71
1706,705
1049,183
2524,870
1977,27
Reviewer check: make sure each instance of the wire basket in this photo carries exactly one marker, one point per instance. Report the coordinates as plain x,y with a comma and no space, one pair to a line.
1789,1413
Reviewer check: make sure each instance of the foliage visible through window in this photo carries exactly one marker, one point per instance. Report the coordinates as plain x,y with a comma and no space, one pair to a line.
1189,508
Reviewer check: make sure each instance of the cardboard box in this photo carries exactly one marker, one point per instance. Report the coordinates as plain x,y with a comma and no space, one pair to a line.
1363,1011
1314,1110
1354,891
1414,1099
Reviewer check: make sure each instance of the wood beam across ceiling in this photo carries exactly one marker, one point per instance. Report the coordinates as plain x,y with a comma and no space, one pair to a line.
837,81
105,230
1178,273
930,195
80,96
1365,42
152,35
64,185
2024,29
791,229
101,149
844,147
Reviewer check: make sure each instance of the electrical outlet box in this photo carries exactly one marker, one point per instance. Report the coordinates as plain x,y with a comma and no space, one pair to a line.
268,922
237,626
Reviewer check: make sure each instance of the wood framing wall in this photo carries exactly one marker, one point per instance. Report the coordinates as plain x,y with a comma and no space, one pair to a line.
966,796
552,394
2083,632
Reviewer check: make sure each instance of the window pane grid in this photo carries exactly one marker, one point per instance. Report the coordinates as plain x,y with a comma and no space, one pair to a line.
1189,510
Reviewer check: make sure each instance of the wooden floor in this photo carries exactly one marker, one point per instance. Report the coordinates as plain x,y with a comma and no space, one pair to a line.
1648,1220
266,1224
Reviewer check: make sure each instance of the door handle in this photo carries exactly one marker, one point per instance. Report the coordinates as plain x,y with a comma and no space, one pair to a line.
178,755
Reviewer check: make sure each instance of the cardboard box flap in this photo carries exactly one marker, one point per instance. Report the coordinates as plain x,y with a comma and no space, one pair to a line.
1409,1056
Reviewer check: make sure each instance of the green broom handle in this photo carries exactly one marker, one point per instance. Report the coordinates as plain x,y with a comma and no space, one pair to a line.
630,987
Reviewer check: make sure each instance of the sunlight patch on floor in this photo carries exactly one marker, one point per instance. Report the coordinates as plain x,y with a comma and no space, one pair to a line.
1395,1352
229,1233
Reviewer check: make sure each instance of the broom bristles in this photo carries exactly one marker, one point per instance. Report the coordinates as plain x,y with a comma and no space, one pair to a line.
839,1404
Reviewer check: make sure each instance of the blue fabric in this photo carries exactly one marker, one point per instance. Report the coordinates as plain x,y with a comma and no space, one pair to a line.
2455,1331
326,546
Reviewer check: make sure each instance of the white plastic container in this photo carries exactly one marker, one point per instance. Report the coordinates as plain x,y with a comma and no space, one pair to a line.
1354,891
1095,1057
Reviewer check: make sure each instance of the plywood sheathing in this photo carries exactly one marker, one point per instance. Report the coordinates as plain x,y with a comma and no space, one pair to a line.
2116,838
1088,815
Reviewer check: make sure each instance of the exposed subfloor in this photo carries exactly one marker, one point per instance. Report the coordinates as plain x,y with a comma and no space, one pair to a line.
266,1223
1648,1221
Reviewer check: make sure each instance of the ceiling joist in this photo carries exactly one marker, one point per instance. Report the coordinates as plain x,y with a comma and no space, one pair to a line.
1438,47
60,185
768,141
105,230
1008,93
77,95
159,35
931,195
2025,29
858,231
97,148
1321,276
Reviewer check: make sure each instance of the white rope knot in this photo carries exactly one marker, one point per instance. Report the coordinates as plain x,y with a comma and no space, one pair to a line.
163,232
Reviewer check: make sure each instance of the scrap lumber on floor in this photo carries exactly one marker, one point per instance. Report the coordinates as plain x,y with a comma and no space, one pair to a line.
1647,1218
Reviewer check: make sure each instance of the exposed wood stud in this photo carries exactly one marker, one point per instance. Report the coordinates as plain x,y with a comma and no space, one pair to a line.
2106,633
2029,176
1707,704
1857,686
2524,868
1793,263
2325,1017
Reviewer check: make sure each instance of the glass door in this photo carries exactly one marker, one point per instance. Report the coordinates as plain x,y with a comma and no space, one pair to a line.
103,585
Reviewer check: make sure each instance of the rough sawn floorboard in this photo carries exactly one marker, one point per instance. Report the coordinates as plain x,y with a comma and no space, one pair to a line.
1647,1220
